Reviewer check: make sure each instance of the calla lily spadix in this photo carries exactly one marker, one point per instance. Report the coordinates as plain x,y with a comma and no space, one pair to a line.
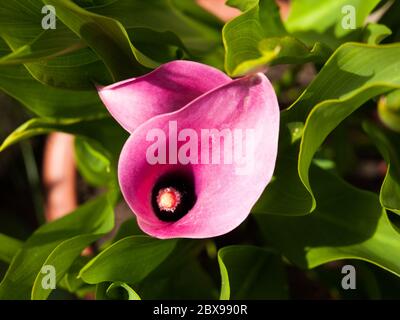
176,171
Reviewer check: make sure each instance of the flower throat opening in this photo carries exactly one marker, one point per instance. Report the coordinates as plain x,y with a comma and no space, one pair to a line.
173,196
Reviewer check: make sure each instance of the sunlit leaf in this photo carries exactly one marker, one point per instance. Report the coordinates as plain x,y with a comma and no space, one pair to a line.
389,146
115,291
258,38
354,74
323,20
56,244
128,260
348,223
111,137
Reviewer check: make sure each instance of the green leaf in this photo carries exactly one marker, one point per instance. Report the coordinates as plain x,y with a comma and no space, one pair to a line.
178,283
278,198
106,36
195,28
243,34
161,46
70,281
321,15
48,101
250,272
389,110
282,50
111,40
348,223
203,18
156,269
8,247
375,33
58,244
389,146
45,46
132,295
313,21
128,260
111,136
94,162
178,274
354,74
115,291
242,5
21,29
128,228
258,38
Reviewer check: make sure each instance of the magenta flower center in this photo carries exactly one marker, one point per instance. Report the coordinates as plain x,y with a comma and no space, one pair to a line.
168,199
173,195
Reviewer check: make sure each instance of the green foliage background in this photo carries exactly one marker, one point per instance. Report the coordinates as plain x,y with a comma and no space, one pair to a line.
309,215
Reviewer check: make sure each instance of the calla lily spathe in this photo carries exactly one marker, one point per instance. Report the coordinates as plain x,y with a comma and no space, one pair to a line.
196,96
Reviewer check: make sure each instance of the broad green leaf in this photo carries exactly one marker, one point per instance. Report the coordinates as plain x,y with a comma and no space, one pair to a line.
45,46
106,36
250,272
58,244
352,76
257,38
22,21
242,5
243,34
70,281
191,9
111,136
21,28
62,257
278,198
101,291
313,21
375,33
94,162
367,284
282,50
128,228
321,15
8,247
23,33
132,295
155,269
348,223
389,146
178,274
128,260
160,46
187,280
389,110
48,101
115,291
191,25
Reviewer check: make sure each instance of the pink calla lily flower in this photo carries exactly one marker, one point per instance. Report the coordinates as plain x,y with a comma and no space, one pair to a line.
202,147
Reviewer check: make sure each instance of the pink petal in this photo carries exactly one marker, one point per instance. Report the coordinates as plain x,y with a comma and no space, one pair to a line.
168,88
224,197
